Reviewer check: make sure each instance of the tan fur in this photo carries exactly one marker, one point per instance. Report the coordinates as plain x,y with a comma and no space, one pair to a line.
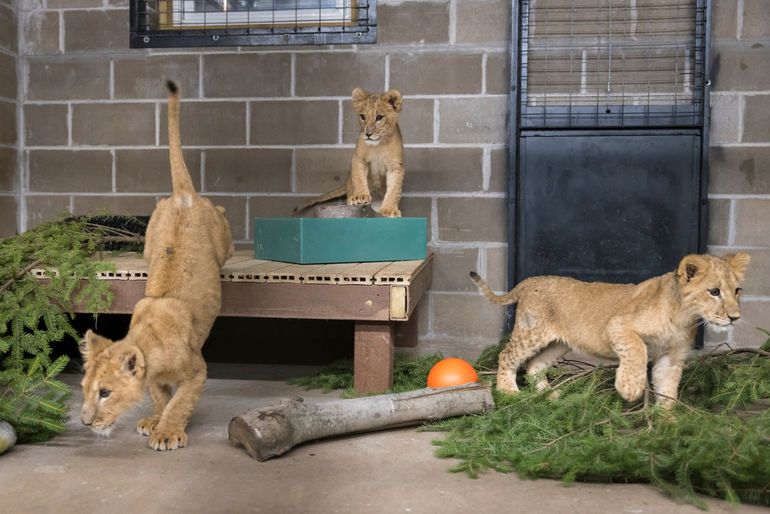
188,240
378,160
633,323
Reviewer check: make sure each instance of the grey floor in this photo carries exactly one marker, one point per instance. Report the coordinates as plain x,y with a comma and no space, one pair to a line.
385,472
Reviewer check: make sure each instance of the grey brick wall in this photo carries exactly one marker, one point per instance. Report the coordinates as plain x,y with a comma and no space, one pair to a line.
265,128
9,107
739,189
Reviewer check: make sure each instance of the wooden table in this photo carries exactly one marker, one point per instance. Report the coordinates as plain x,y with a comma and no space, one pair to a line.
380,297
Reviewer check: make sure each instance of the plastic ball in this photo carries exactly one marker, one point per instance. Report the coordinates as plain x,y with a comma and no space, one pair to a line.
451,372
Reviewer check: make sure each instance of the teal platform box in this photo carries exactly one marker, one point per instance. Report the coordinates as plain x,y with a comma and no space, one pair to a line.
330,240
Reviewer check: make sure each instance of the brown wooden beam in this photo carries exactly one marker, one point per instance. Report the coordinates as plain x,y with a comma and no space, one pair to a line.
373,357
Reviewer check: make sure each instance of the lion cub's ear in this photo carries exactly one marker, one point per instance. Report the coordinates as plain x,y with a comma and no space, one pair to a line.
690,267
132,363
393,97
738,263
93,344
359,98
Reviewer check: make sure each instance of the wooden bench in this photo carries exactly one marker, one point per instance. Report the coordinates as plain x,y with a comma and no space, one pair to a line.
379,297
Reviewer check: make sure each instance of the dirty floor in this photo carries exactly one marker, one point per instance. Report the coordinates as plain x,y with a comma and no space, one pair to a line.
385,472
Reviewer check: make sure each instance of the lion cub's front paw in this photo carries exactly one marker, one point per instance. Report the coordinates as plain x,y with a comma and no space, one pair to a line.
167,439
630,385
146,425
390,212
360,199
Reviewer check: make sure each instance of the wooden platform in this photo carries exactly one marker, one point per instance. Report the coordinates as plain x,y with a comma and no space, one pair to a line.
380,297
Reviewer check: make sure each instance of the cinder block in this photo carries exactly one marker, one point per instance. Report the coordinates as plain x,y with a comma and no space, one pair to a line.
451,267
751,222
467,315
474,120
756,20
8,134
742,68
70,80
45,124
472,219
413,22
321,169
8,29
146,77
436,73
754,315
497,268
113,124
499,73
724,24
95,30
41,32
8,72
208,123
235,210
485,22
148,171
443,169
246,75
8,170
251,170
294,122
126,205
498,176
70,170
45,208
756,128
336,74
725,118
8,213
739,170
719,222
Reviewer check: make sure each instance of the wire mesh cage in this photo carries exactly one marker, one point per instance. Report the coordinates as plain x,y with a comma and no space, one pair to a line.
605,63
182,23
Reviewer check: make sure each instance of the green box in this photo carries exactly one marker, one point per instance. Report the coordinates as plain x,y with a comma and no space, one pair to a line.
330,240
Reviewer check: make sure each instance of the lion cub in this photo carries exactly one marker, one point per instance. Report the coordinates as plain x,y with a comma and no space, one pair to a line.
633,323
188,240
378,157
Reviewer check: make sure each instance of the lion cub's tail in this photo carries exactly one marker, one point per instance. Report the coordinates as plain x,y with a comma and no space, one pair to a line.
505,299
331,195
180,177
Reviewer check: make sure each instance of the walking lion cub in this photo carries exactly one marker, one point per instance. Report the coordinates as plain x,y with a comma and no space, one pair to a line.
632,323
187,241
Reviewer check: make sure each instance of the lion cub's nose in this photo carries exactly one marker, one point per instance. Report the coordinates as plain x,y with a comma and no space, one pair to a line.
733,319
86,422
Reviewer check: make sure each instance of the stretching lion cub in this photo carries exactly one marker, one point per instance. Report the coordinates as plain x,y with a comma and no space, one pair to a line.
632,323
378,157
188,240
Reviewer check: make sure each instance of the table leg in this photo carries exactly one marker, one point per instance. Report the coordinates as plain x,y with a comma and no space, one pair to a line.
373,356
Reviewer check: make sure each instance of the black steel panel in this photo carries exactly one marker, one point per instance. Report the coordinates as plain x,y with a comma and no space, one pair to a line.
617,206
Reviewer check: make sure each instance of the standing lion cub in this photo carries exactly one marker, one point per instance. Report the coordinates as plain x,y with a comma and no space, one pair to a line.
378,160
187,242
633,323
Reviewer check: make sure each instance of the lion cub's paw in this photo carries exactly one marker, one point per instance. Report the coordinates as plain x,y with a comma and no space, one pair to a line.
629,385
360,199
146,425
390,213
167,439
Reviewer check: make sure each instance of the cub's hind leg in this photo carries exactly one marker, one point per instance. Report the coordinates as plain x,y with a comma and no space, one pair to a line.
160,394
545,360
525,343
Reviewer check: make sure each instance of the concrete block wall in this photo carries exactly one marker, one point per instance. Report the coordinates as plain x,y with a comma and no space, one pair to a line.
9,107
266,127
739,188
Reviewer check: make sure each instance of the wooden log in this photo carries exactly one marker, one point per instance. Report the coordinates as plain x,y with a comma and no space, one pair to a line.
274,430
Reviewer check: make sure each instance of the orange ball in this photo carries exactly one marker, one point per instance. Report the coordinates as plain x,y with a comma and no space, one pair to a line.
451,372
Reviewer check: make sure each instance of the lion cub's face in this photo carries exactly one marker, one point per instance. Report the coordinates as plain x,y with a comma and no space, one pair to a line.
711,287
112,383
377,114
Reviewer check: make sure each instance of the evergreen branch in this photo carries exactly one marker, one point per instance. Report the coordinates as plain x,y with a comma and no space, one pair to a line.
21,274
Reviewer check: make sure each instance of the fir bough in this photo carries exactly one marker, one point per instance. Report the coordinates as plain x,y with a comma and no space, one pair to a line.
716,441
35,314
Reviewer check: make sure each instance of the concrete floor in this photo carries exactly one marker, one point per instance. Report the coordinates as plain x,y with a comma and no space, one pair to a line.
384,472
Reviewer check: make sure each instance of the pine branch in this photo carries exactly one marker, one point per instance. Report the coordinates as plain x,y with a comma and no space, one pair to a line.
32,265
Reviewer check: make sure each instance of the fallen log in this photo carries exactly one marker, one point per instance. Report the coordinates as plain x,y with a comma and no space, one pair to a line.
274,430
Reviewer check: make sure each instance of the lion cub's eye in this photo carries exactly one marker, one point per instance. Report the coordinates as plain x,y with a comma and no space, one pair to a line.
379,117
738,291
714,292
104,393
363,118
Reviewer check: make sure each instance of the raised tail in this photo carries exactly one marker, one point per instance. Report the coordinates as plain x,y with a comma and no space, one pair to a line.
505,299
331,195
180,177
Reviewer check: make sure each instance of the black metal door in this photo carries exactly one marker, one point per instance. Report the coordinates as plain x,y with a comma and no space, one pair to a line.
609,134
